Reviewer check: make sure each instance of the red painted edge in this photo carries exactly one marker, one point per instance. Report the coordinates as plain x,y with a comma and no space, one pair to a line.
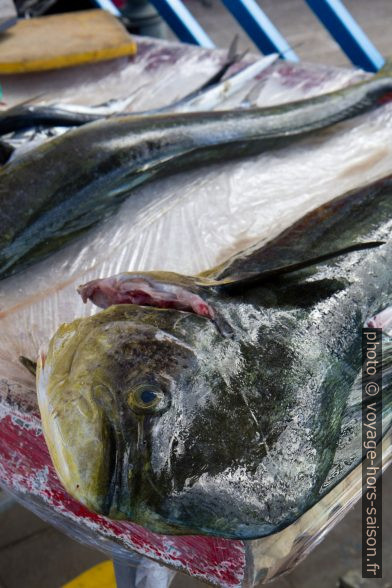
26,469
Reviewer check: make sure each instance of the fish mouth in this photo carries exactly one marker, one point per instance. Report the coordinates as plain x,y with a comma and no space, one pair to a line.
125,463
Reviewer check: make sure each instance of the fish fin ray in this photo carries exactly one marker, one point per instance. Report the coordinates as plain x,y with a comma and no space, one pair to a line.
29,364
253,278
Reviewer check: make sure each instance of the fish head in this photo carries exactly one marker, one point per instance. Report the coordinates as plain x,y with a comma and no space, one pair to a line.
112,389
174,417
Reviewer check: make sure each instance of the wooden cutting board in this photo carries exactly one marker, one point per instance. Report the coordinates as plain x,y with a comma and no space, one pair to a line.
63,40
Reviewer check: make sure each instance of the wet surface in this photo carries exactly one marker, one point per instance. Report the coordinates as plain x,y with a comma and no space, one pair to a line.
34,554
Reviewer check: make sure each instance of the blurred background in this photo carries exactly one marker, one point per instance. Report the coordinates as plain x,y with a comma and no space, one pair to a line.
293,19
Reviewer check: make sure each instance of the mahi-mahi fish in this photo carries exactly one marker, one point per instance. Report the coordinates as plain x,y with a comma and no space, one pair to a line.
226,403
55,192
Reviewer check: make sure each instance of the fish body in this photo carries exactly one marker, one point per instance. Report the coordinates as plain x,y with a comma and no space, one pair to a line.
26,116
226,403
211,96
58,190
27,126
6,150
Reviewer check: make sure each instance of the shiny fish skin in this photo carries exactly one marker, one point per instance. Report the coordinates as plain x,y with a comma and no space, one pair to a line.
185,430
41,120
57,191
26,116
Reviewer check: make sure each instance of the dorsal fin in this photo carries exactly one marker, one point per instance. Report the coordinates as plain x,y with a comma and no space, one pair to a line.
29,364
339,227
264,275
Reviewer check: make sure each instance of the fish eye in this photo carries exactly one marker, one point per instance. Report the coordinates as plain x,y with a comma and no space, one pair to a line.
147,398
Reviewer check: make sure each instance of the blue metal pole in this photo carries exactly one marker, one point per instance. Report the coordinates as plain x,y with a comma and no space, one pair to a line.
176,15
182,23
346,31
108,6
259,28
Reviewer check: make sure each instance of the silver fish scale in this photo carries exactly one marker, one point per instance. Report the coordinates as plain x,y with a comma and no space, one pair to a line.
301,463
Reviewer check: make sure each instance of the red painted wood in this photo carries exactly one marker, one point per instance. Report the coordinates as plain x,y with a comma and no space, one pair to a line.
26,470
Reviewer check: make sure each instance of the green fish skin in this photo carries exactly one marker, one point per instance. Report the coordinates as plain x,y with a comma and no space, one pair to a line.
224,404
58,190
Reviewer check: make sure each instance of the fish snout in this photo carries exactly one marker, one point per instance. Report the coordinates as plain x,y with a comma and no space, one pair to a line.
104,385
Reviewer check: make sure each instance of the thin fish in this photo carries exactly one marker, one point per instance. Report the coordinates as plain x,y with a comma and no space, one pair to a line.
208,97
26,115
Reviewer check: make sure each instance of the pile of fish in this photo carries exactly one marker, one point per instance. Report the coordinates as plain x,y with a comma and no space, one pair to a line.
29,123
212,403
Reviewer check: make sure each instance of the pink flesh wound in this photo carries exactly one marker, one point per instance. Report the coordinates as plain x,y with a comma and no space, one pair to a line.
124,289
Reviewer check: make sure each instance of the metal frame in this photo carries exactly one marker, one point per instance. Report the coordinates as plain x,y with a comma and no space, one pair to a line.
182,23
175,14
347,33
332,13
259,28
108,6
